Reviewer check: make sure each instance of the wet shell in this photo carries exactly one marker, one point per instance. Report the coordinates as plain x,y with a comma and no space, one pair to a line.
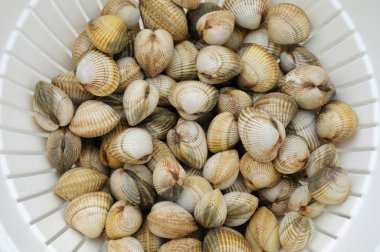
126,244
128,10
324,156
88,212
222,132
163,84
292,156
52,107
182,245
194,15
279,105
123,220
116,102
79,181
160,151
149,241
187,4
296,231
134,146
188,143
216,27
98,73
240,208
260,70
153,51
336,123
94,119
63,149
82,44
296,56
238,186
309,86
248,13
168,220
258,175
217,64
129,72
330,186
108,33
222,169
233,100
139,101
164,14
160,122
192,99
288,24
90,158
211,210
236,39
225,239
261,134
304,125
301,201
194,187
262,231
182,66
261,37
71,86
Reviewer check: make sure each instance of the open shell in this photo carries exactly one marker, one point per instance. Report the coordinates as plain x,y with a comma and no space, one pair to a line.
126,244
222,132
240,208
225,239
128,10
233,100
182,245
211,210
163,84
129,72
248,13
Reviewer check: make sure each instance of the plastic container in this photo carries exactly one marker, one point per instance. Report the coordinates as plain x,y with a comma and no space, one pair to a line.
36,39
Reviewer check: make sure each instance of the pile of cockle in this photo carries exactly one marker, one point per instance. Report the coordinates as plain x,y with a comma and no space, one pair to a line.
211,129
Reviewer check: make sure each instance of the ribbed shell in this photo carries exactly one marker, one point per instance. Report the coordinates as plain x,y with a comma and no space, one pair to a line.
52,107
149,241
188,143
240,208
108,33
183,64
248,13
211,210
296,56
222,169
263,231
98,73
194,15
71,86
336,123
288,24
218,64
238,186
222,132
81,45
128,10
260,70
192,99
261,37
330,186
281,106
233,100
301,201
296,231
139,101
163,84
236,39
129,71
116,102
164,14
258,175
187,4
216,27
182,245
126,244
123,220
160,151
153,51
168,220
129,49
261,134
88,212
79,181
324,156
160,122
94,119
225,239
193,171
63,149
90,158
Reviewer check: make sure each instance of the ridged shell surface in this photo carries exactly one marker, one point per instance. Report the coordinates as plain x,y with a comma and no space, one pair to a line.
225,239
126,244
233,100
183,64
149,241
90,158
240,208
211,210
128,10
248,13
182,245
296,56
301,201
193,16
324,156
129,72
160,122
260,37
163,84
222,132
81,45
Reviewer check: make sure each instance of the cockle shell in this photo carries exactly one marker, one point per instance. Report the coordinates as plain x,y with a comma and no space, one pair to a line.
193,171
288,24
261,134
90,158
187,4
188,143
301,201
128,10
63,149
211,210
164,14
149,241
170,221
217,64
129,49
336,122
160,151
163,84
324,156
222,169
116,102
260,70
233,100
160,122
98,73
88,212
126,244
153,50
194,15
129,72
261,37
52,107
236,39
238,186
240,208
296,56
192,99
225,239
182,245
140,100
222,132
81,45
94,119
